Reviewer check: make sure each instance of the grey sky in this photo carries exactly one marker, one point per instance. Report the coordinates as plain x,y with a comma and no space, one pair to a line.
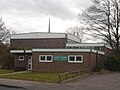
32,15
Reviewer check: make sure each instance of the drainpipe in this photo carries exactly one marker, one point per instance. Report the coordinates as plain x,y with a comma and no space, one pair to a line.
90,64
26,60
97,58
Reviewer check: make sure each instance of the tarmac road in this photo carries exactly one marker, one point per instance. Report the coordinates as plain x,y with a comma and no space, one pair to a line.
109,81
9,88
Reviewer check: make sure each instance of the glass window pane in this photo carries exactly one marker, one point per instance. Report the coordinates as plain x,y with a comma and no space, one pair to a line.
49,58
78,58
97,48
71,58
42,57
29,57
21,58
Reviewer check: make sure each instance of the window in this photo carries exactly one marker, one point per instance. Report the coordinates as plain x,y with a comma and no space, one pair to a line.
71,58
45,58
42,58
97,48
78,58
29,57
21,58
49,58
75,58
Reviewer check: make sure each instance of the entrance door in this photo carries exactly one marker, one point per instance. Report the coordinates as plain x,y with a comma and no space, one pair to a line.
29,62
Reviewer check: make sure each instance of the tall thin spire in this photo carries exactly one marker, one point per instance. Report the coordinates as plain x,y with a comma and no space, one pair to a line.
49,26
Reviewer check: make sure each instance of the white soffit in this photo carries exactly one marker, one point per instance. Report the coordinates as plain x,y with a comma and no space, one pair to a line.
85,44
38,35
74,38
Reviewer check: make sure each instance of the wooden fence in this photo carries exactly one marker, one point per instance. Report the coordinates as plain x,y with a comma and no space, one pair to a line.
71,74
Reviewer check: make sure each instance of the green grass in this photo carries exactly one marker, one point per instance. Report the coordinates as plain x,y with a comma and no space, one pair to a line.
42,77
34,76
6,71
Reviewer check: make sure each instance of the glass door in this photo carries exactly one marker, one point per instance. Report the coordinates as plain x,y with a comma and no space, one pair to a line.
29,62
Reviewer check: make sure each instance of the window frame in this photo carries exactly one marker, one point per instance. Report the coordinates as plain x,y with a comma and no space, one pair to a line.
20,58
45,58
75,56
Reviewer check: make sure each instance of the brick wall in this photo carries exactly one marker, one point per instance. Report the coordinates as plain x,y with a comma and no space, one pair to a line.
21,65
38,43
63,66
57,65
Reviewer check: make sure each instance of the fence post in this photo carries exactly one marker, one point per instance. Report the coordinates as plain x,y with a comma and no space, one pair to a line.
66,75
59,78
72,74
90,70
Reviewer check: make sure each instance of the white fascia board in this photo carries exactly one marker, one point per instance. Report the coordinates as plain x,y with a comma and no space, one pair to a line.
28,51
38,35
20,51
74,38
67,50
16,51
94,51
61,50
109,47
99,52
84,44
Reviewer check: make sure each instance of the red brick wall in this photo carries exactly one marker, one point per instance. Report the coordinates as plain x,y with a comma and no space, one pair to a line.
58,66
21,65
38,43
63,66
108,51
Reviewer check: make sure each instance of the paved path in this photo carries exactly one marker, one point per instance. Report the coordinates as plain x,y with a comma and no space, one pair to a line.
109,81
15,73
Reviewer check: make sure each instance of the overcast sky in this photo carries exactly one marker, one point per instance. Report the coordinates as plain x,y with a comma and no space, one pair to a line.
33,15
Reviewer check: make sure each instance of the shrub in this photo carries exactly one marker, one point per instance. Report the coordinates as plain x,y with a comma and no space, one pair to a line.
97,68
112,63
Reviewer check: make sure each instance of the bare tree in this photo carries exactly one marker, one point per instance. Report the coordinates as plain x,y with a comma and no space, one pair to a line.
4,32
102,19
6,59
76,31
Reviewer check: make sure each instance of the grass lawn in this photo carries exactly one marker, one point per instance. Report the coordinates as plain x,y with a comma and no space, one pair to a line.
6,71
34,76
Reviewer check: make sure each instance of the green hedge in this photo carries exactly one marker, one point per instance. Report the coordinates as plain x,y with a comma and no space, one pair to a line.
112,63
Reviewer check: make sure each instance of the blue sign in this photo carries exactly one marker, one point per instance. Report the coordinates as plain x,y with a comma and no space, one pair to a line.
60,58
